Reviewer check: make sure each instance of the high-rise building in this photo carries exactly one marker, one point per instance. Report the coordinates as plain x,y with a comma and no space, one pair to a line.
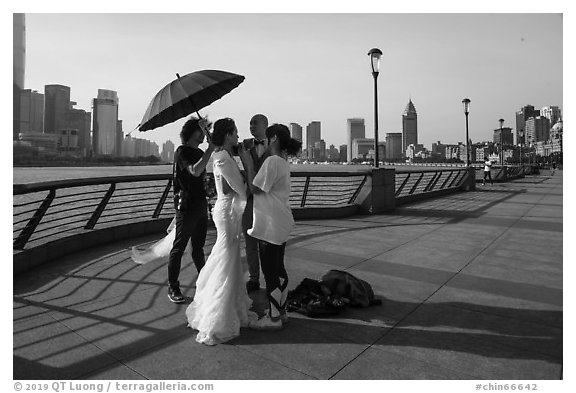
503,136
522,115
439,149
356,130
343,153
119,138
295,131
409,126
313,135
105,122
537,129
393,145
167,151
18,68
56,105
80,120
319,151
552,113
362,148
31,112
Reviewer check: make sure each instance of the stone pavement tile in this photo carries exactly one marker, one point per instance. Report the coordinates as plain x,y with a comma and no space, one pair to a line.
46,349
184,358
323,257
431,255
399,295
510,289
115,372
21,310
71,291
124,328
466,353
359,325
484,299
539,340
527,272
375,363
302,347
410,272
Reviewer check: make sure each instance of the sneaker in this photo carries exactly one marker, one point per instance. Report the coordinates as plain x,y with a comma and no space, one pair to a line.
252,286
266,323
175,295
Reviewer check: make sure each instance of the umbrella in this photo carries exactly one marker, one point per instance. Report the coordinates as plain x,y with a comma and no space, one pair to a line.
187,94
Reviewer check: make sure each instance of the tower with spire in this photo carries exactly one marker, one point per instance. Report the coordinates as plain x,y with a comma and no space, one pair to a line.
409,127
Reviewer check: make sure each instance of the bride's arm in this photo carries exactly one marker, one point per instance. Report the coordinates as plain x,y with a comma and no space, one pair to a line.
231,177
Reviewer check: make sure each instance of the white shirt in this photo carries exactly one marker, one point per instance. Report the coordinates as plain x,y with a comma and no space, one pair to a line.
487,165
272,217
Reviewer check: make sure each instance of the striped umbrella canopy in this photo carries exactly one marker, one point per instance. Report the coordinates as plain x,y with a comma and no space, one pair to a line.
188,94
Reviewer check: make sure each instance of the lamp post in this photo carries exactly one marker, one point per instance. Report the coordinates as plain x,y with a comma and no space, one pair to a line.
466,103
501,143
375,54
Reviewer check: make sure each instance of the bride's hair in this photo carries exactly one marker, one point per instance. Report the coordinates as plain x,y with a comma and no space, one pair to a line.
222,127
291,145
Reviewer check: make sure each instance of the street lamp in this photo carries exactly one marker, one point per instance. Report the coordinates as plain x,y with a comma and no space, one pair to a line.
375,54
466,103
501,142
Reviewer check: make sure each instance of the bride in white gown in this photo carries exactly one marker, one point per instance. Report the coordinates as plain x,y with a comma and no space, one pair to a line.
221,304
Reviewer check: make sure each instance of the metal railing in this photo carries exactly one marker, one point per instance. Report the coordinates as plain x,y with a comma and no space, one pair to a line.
409,183
43,212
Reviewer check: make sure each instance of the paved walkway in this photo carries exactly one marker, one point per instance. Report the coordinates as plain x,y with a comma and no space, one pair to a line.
471,285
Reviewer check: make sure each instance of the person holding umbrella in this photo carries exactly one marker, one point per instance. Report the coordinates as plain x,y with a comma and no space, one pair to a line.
185,95
190,202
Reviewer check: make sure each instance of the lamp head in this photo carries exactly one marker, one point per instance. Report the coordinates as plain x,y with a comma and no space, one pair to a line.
375,54
466,103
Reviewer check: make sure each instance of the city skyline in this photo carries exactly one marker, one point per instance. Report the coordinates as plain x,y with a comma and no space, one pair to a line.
436,69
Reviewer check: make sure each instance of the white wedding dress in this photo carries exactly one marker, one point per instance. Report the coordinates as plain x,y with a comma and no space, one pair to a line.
221,304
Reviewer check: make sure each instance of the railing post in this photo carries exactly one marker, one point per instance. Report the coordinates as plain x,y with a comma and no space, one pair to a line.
378,193
470,183
29,229
305,192
416,184
100,208
402,185
162,200
355,195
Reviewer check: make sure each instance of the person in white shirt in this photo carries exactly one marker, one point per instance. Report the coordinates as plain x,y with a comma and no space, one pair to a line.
487,172
272,219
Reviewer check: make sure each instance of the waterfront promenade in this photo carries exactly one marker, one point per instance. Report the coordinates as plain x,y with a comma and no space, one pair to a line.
471,285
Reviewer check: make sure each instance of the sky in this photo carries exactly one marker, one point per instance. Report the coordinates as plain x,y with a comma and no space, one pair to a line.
310,66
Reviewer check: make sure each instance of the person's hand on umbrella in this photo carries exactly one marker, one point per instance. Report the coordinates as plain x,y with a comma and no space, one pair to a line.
205,125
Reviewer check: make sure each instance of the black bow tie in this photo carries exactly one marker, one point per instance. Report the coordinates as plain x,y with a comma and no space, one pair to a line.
257,142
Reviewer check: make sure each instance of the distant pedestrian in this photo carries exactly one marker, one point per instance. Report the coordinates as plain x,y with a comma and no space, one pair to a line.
487,171
553,168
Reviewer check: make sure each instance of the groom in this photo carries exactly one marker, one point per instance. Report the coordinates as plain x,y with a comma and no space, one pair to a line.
189,171
256,146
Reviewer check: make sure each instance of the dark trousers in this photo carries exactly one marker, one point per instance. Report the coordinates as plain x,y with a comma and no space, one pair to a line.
487,174
251,243
272,261
189,226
